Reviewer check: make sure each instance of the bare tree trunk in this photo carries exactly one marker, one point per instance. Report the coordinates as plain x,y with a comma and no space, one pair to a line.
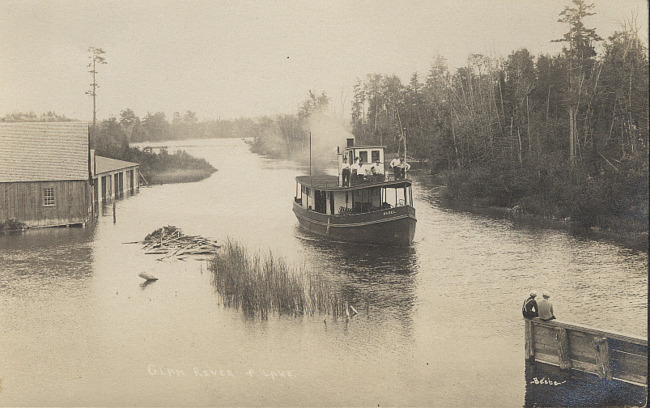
453,134
571,136
530,138
519,140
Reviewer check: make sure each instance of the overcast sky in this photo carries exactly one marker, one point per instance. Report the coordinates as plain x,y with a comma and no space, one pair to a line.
228,59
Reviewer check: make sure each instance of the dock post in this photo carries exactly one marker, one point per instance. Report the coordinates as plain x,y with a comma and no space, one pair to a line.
603,367
562,339
529,342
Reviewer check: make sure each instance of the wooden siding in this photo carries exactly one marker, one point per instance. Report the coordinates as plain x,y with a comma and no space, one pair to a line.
24,202
570,346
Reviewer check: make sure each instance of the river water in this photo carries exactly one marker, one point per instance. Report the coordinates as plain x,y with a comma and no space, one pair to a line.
439,323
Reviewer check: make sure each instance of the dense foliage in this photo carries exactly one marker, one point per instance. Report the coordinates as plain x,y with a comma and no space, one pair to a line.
563,135
111,140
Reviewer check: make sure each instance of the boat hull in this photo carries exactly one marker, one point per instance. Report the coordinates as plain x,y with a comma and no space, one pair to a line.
393,226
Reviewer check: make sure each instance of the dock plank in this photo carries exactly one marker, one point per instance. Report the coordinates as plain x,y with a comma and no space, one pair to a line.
547,358
627,347
626,362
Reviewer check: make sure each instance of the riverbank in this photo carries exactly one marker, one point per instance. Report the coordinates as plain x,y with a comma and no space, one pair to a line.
630,235
165,168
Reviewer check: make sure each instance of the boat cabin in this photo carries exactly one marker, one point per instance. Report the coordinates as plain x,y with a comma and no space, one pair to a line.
323,195
371,190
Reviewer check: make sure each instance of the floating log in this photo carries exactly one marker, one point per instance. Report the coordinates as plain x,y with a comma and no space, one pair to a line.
148,277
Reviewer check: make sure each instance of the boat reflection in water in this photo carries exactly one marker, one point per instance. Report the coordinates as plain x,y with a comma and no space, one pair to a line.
367,206
374,278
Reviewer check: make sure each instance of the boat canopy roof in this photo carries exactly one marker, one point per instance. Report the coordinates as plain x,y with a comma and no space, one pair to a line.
357,147
330,183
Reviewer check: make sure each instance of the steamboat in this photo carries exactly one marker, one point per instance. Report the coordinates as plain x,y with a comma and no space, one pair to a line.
366,204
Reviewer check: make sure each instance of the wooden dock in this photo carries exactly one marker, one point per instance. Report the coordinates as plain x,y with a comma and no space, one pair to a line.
610,356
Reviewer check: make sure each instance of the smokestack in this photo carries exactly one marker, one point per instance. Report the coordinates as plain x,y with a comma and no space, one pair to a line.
339,160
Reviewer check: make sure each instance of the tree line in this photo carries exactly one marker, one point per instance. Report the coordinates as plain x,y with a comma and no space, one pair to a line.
558,135
155,127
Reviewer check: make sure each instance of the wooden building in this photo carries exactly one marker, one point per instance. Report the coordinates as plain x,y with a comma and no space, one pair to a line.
44,173
113,178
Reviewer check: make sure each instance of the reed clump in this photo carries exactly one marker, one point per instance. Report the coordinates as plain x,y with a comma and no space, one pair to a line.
263,285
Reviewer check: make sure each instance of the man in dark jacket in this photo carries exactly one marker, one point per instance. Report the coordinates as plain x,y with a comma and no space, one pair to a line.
529,310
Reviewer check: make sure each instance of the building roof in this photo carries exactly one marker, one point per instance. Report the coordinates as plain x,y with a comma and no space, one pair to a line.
43,151
106,165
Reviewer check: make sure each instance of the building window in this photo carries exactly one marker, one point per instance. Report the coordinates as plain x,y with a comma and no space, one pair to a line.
48,196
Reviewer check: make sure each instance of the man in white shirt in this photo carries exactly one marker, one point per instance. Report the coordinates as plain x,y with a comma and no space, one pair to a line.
394,164
356,169
377,171
404,167
345,172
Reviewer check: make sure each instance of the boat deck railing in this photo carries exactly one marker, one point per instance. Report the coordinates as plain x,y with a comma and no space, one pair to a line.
371,179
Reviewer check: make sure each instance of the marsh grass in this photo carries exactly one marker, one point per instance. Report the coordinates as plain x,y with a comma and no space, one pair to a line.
179,176
263,285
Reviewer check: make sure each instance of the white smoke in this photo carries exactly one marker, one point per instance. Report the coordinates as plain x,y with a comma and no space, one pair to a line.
327,133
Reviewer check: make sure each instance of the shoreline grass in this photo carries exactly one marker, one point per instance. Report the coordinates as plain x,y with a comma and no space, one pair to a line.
179,176
263,285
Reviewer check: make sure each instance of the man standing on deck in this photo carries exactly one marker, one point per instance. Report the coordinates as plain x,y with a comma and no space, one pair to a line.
356,169
377,173
394,164
403,168
345,172
545,307
529,310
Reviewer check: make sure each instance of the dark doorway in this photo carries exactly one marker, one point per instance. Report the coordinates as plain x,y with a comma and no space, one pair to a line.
320,201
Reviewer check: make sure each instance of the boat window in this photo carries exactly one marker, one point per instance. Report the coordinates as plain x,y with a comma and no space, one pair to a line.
363,156
367,200
298,198
375,156
394,197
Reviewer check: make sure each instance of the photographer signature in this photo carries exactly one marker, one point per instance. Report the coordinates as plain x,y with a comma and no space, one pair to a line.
546,381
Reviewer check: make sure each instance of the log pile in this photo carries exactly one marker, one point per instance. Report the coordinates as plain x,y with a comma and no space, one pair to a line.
171,242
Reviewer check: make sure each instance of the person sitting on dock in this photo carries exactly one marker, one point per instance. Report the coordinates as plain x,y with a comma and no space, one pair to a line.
345,172
545,308
529,310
